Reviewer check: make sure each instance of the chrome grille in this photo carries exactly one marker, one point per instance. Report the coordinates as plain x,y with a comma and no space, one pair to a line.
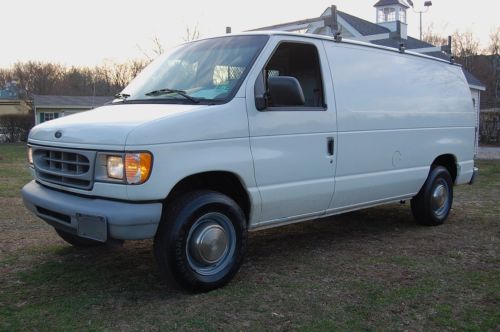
66,167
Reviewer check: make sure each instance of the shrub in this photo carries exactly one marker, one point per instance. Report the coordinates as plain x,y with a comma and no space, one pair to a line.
15,127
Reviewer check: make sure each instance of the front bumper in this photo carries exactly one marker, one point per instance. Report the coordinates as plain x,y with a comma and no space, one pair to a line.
120,220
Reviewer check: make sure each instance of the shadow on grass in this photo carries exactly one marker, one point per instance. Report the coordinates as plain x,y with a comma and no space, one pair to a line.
128,270
286,280
352,228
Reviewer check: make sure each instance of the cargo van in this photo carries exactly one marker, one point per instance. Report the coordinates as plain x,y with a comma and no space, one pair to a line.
243,132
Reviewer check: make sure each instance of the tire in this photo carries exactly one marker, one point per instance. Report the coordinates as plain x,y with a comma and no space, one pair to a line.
432,205
201,241
78,241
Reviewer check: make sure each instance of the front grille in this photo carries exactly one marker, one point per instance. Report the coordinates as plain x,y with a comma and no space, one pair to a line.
72,168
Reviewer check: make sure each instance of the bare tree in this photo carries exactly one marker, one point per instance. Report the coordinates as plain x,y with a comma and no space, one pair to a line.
157,46
136,66
156,49
432,37
465,47
37,77
192,33
494,46
54,79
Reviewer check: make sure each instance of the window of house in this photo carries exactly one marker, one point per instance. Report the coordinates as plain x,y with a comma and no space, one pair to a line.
402,16
301,61
48,116
386,14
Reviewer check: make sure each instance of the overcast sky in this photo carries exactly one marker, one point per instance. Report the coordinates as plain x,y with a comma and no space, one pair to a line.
87,32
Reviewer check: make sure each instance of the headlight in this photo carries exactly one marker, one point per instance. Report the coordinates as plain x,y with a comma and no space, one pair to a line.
30,155
114,166
133,168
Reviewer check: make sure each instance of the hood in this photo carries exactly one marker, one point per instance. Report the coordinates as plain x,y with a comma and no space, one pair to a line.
107,125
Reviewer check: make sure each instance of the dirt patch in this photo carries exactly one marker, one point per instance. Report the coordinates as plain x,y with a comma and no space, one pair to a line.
20,229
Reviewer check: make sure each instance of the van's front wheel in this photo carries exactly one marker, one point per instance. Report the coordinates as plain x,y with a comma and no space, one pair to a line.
432,205
201,241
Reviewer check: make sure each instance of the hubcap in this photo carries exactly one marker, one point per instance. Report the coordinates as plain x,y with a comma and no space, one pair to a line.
211,243
439,198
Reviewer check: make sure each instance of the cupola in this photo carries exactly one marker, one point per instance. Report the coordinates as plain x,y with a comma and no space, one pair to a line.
391,14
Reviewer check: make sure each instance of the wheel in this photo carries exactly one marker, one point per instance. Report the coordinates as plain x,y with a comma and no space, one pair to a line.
432,205
201,241
78,241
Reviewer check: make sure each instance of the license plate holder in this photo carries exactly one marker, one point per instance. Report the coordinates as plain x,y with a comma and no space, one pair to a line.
92,227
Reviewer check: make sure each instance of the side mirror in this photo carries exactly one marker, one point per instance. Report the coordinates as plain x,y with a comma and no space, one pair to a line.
285,91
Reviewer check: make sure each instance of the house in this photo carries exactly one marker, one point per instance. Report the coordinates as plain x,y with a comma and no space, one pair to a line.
52,107
13,106
390,29
11,101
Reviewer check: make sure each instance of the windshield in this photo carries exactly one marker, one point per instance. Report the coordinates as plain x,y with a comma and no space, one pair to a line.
206,71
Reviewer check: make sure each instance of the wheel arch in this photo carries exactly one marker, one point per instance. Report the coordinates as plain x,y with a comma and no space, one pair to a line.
225,182
448,161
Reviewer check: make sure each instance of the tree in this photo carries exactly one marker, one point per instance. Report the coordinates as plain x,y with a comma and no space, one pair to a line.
465,47
37,77
192,33
494,46
432,37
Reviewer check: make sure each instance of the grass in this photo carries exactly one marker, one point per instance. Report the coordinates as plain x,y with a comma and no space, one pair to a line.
13,169
367,270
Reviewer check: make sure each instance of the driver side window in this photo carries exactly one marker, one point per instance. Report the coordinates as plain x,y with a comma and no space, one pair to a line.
301,61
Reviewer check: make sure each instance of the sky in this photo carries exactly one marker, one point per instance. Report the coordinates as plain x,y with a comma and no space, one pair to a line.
90,32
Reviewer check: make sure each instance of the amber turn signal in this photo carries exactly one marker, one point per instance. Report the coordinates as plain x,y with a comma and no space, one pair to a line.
137,167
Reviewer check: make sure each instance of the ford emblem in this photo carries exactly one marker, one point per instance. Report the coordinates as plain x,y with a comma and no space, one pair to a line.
58,134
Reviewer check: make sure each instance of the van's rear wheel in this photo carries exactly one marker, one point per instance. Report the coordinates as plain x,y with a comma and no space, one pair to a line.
432,205
201,241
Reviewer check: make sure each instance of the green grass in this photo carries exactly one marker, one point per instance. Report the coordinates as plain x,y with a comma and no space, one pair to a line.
14,173
368,270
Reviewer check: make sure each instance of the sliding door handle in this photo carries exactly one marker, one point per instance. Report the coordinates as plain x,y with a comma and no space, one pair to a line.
330,145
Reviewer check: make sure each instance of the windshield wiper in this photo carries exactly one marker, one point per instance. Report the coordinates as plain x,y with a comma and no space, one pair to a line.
169,91
122,96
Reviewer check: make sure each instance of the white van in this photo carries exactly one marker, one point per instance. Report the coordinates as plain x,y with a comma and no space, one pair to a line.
243,132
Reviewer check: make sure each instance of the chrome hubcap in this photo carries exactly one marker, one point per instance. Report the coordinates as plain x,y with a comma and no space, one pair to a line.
439,198
211,243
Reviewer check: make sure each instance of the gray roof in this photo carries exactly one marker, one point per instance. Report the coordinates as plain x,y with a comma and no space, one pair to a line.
364,27
472,80
390,3
410,43
70,101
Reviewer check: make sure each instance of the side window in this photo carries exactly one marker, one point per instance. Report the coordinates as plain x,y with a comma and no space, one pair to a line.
301,61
